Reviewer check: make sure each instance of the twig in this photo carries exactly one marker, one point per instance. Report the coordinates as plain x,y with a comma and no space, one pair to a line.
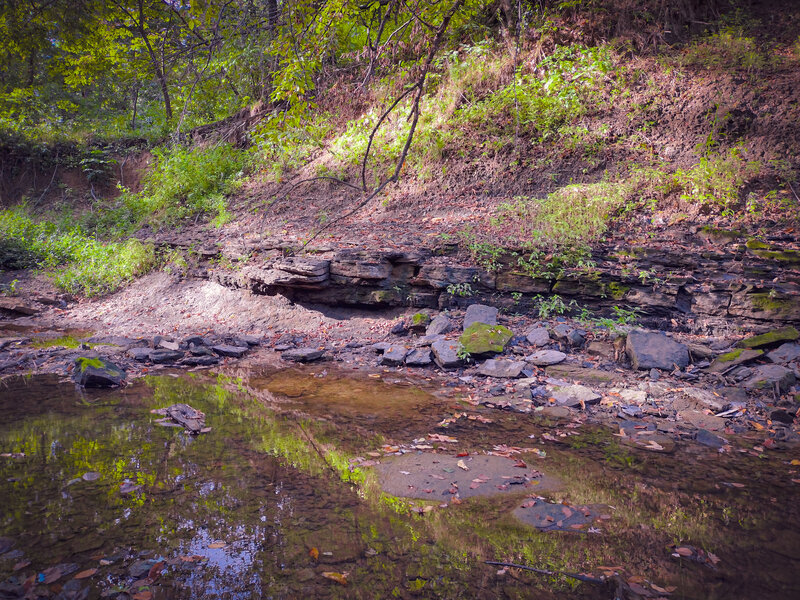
789,183
577,576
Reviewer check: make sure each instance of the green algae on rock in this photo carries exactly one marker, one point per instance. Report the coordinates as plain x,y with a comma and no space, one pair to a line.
480,338
784,334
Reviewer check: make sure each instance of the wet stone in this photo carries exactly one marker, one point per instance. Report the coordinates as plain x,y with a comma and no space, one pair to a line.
545,357
199,361
200,350
97,373
546,516
538,336
480,313
394,355
511,403
510,369
165,356
232,351
302,355
555,412
706,438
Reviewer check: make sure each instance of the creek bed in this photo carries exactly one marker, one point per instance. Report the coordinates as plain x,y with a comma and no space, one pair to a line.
273,502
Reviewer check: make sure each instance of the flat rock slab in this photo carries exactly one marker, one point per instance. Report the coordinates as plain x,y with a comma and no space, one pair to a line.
165,356
445,353
702,420
651,350
547,516
573,395
438,477
729,360
538,336
510,369
480,313
394,355
576,373
419,358
771,338
785,353
768,376
232,351
303,355
199,361
543,358
139,354
555,412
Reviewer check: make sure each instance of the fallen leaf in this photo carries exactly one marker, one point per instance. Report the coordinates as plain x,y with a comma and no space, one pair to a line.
155,570
683,551
50,575
85,574
462,465
215,545
142,595
313,553
337,577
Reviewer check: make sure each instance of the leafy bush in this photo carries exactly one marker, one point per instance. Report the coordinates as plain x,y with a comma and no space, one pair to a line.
726,50
717,178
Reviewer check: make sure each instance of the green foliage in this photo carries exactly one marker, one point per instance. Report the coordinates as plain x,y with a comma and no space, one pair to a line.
77,262
726,50
184,183
463,290
284,141
717,179
554,305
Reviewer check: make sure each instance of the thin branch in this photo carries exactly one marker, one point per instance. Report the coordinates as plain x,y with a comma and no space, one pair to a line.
375,130
577,576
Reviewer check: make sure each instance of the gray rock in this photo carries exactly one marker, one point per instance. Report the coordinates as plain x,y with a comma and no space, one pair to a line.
768,376
233,351
139,354
419,358
200,350
199,361
509,369
251,340
576,338
439,325
427,340
445,353
573,395
651,350
655,375
302,355
601,349
380,347
538,336
165,356
168,345
196,340
785,353
546,357
560,331
97,373
480,313
394,355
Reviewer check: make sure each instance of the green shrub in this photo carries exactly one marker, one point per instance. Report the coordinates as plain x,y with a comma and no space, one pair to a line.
717,179
725,50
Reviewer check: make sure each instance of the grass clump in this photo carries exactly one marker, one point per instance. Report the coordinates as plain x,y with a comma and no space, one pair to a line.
78,263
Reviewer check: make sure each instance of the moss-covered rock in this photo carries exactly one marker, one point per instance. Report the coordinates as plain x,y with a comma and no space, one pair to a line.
770,252
480,338
618,290
97,372
777,336
736,357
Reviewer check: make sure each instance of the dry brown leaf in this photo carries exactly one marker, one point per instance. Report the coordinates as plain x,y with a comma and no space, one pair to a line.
337,577
85,574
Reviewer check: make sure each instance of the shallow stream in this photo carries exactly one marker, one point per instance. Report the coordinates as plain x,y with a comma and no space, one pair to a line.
275,501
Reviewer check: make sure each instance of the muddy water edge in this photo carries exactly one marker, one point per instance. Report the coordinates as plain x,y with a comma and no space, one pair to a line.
280,499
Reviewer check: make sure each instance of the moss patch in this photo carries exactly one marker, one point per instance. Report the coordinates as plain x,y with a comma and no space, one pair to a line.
617,290
768,252
84,363
480,338
420,319
785,334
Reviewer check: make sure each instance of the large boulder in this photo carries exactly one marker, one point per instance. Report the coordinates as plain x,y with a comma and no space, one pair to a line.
479,339
97,373
652,350
480,313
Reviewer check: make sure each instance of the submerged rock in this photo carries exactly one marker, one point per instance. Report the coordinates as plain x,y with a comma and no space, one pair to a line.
97,373
650,350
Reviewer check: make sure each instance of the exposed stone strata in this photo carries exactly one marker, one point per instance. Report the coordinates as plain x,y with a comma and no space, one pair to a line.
705,284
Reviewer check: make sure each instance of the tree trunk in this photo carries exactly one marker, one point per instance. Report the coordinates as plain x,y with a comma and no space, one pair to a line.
160,75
